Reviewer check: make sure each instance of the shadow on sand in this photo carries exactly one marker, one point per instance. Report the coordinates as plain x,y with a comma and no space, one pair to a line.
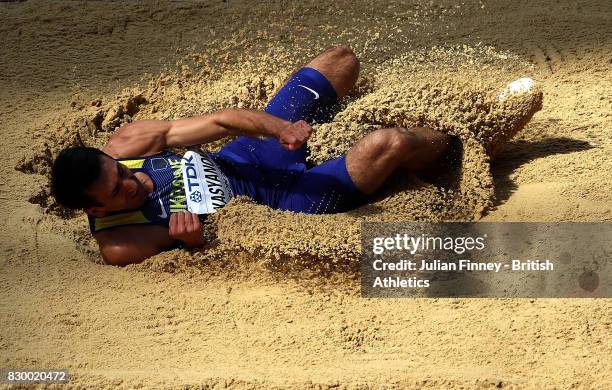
521,152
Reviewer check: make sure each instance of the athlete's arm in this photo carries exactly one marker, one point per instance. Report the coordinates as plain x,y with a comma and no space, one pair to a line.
132,244
146,137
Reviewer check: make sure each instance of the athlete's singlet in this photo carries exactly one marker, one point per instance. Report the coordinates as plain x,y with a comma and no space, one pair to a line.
167,171
168,194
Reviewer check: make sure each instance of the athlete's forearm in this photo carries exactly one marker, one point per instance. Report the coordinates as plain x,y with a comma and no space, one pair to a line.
231,121
250,122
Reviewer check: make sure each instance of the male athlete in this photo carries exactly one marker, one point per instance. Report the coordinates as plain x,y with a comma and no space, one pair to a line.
141,199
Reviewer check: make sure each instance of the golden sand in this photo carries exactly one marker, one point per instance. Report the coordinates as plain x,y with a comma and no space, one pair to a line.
273,300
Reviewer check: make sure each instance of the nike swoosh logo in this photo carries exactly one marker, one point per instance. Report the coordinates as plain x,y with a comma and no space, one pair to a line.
311,90
164,214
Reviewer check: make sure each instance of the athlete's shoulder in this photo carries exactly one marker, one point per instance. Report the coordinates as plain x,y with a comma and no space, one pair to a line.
163,153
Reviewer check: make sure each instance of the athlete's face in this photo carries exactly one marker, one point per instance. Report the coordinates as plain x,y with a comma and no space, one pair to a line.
117,189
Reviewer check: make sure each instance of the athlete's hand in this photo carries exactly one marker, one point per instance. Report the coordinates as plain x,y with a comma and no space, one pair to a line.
294,135
186,227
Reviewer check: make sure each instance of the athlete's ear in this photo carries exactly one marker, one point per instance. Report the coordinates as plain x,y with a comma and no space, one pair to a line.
95,211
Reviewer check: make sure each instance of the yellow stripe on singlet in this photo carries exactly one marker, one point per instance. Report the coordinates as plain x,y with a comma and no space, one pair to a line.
130,218
133,163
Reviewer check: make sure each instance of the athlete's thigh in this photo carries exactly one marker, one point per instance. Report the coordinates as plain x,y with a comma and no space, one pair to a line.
324,189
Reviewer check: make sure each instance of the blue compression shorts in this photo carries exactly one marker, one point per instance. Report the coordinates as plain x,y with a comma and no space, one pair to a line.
269,174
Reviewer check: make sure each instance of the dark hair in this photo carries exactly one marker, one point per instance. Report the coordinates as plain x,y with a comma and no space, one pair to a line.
73,172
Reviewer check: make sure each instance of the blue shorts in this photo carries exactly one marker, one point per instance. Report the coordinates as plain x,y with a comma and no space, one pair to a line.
269,174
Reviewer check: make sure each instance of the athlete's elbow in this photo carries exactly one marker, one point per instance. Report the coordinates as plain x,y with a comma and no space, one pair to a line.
225,116
224,121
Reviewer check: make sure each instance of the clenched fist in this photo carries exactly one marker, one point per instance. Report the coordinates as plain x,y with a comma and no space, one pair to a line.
294,135
186,227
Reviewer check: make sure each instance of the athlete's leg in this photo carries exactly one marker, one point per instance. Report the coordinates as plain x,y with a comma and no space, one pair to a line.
373,158
312,90
309,94
346,182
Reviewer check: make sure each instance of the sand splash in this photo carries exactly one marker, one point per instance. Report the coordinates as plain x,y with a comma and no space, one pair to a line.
435,89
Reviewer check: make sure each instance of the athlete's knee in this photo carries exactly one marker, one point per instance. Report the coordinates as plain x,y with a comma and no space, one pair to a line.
344,56
349,58
392,143
400,141
340,66
344,52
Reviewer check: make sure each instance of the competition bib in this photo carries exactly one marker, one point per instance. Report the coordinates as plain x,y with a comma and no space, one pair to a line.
206,187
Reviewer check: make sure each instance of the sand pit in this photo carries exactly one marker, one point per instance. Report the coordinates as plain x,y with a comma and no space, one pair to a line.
273,301
442,94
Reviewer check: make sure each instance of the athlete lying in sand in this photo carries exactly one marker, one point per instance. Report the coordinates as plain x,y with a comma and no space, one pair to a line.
137,195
